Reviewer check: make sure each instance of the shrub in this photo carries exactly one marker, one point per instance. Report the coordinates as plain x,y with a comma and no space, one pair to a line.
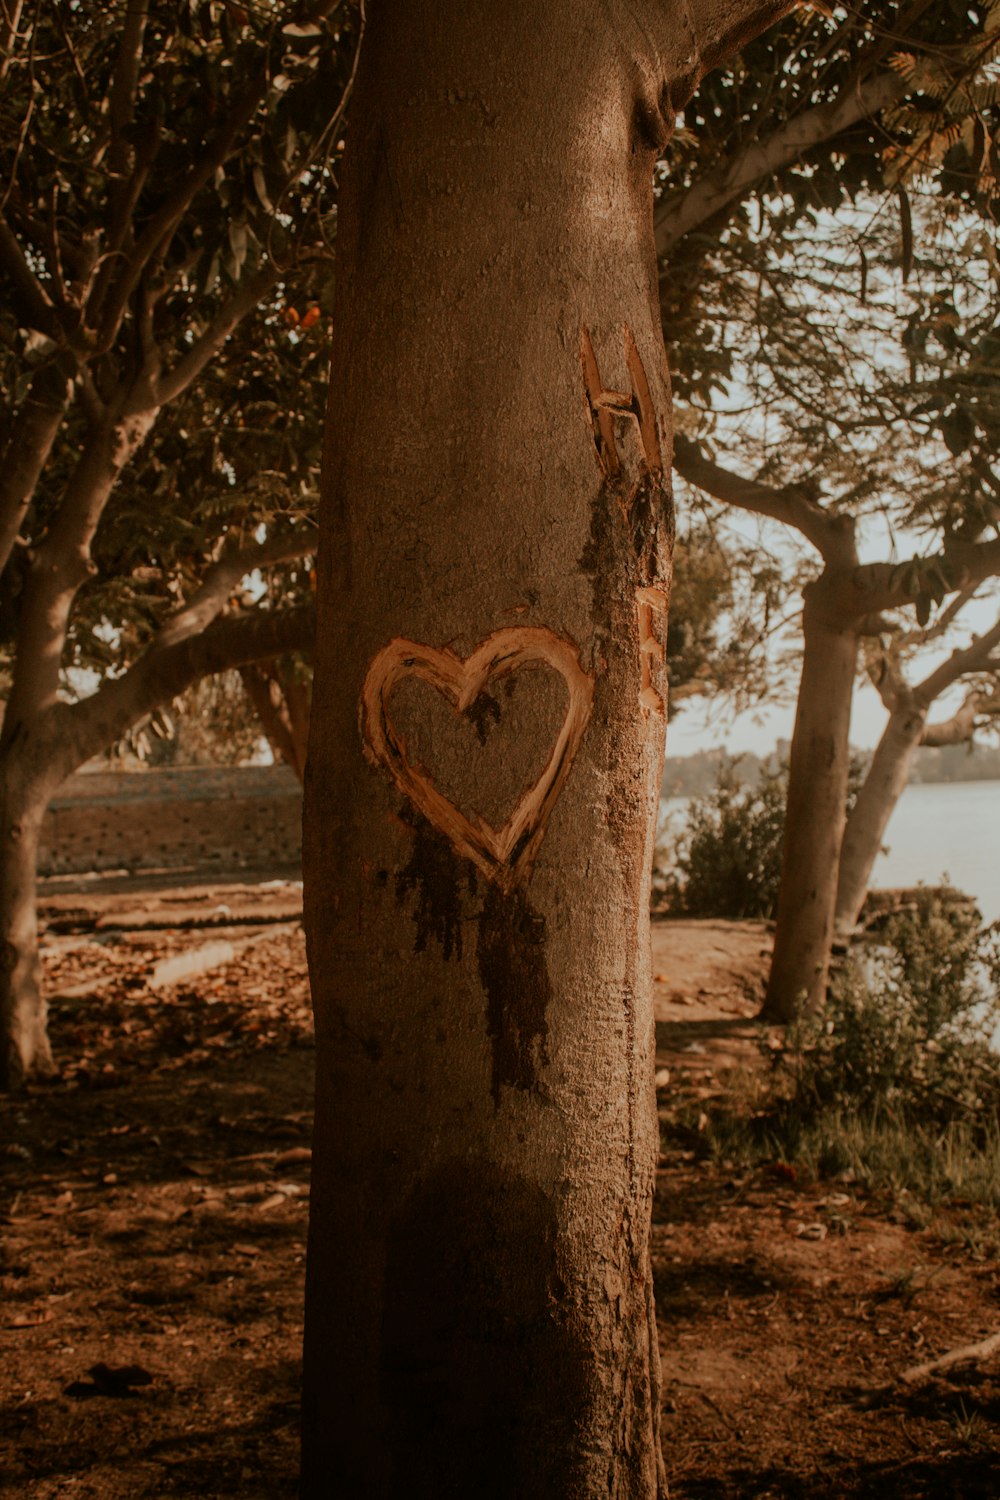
894,1084
727,859
906,1030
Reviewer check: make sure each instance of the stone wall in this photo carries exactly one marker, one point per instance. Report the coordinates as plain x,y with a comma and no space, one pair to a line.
197,819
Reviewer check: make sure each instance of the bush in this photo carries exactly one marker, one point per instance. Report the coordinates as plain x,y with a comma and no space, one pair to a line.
906,1030
727,860
894,1084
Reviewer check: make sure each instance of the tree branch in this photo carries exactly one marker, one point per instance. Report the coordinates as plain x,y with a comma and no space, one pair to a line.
873,586
26,453
884,674
164,222
677,214
224,576
792,506
37,306
247,296
164,672
959,729
10,20
975,657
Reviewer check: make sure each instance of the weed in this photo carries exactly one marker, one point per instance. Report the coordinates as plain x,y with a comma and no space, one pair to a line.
966,1425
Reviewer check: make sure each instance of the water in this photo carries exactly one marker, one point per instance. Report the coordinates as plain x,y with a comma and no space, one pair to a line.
938,828
946,828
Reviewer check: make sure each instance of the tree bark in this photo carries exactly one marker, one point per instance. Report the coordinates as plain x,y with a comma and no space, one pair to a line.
882,788
817,798
485,756
29,774
479,1292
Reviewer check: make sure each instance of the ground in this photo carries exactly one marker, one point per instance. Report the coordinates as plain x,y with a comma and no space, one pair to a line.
153,1231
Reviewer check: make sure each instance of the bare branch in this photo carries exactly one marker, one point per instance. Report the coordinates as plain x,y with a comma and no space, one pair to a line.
960,728
974,658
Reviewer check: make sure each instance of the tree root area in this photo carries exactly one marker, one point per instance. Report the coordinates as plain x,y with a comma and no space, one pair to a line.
153,1219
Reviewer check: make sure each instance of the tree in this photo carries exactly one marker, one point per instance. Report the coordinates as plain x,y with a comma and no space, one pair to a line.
167,179
724,598
867,393
495,539
909,726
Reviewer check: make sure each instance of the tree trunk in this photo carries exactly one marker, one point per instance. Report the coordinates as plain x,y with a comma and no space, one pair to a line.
485,758
37,755
24,1042
883,786
814,821
281,701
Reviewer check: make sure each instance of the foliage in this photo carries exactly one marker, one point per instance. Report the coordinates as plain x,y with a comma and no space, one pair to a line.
211,724
724,599
906,1030
894,1083
166,228
727,861
745,108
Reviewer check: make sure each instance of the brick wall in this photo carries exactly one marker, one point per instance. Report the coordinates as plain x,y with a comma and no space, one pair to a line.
204,818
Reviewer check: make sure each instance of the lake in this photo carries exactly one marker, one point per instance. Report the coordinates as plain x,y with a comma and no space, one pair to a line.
940,828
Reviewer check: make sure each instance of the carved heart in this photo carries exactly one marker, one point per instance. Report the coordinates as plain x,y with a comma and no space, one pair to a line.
504,854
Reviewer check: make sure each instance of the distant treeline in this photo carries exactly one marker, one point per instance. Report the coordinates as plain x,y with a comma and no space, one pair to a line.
691,775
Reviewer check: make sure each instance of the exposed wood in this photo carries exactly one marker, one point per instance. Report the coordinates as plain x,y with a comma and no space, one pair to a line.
968,1354
503,854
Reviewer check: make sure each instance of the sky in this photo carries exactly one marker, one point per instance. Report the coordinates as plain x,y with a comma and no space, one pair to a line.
696,727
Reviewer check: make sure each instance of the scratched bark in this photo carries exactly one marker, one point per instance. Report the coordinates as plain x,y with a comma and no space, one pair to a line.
479,1306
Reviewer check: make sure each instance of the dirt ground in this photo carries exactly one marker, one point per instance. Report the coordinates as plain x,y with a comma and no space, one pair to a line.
153,1217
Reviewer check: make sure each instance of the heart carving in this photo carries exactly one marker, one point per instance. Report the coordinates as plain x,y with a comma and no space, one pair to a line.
503,854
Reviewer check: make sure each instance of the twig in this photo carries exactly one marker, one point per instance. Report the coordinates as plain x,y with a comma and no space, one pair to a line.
968,1354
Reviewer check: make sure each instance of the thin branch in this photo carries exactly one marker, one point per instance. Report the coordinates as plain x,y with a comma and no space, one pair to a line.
941,621
38,309
161,227
10,20
973,658
247,296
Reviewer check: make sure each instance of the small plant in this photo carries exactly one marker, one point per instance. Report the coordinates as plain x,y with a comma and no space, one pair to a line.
966,1425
